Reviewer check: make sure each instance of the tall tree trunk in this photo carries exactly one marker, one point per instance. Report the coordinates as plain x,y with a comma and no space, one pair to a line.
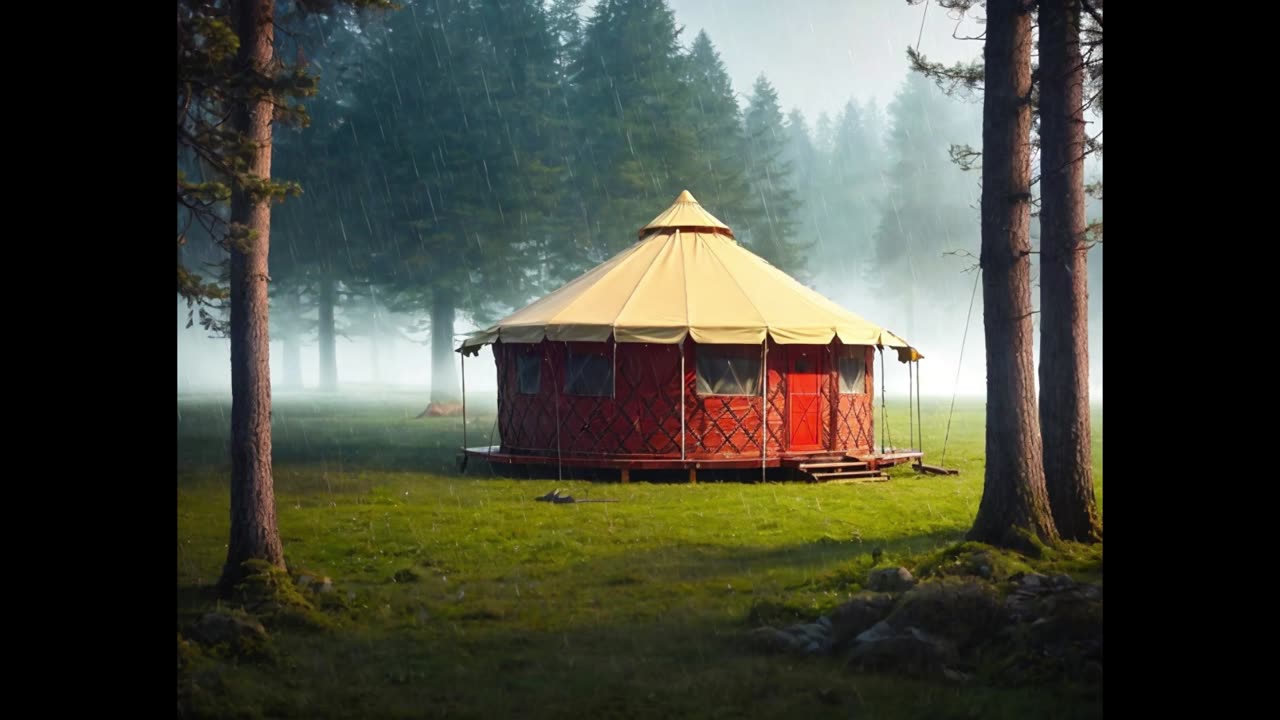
1013,496
293,361
1064,277
253,510
444,376
287,320
375,330
328,337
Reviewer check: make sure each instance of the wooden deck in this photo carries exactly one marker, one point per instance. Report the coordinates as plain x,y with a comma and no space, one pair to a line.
821,466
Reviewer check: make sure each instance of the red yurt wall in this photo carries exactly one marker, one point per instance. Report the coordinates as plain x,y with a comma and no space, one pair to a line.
638,414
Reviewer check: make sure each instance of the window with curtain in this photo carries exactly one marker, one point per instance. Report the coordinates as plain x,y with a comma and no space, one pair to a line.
728,370
853,372
588,374
529,373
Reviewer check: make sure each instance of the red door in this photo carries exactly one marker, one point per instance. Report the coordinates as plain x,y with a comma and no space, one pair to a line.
804,401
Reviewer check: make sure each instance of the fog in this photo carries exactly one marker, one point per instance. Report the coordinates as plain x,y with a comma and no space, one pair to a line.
818,54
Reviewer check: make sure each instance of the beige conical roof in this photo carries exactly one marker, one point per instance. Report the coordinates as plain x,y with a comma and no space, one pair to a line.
685,213
676,283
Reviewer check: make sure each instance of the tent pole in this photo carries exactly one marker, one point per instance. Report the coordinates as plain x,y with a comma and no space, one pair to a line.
559,460
884,409
764,408
464,401
911,420
683,408
919,417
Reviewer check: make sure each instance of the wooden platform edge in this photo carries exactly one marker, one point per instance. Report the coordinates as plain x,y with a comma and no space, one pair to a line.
933,470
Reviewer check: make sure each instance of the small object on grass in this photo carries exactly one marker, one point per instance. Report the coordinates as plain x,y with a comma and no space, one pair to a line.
875,555
555,497
934,469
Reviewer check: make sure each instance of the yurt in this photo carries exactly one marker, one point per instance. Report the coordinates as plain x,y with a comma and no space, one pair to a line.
687,351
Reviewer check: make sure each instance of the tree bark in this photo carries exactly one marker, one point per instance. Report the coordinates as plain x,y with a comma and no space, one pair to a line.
1064,277
328,336
444,376
1014,500
253,511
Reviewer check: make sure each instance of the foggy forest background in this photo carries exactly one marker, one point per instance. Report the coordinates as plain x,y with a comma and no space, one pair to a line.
462,161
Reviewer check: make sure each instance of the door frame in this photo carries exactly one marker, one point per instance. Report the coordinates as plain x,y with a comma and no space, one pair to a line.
819,358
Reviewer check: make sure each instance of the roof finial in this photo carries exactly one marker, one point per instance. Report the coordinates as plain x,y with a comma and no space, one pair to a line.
686,213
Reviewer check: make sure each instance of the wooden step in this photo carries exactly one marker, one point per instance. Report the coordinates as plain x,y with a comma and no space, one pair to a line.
857,480
846,473
843,464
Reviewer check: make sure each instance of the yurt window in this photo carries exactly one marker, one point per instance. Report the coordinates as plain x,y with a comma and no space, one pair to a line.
588,374
728,370
529,373
853,372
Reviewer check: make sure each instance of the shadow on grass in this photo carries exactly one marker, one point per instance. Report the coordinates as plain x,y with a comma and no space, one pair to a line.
598,658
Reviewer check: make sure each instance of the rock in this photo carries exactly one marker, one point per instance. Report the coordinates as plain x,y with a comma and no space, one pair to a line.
1033,581
442,409
771,640
825,622
875,633
813,637
891,580
235,631
855,616
913,650
955,675
965,612
1062,582
981,564
812,630
314,583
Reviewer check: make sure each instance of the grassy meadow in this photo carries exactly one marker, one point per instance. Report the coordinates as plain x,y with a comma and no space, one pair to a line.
463,597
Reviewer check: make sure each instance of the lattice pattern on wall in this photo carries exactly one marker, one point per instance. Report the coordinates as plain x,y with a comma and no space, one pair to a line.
830,400
641,419
525,422
730,426
644,417
855,419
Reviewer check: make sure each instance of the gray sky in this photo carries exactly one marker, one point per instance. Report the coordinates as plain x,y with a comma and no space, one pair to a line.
818,53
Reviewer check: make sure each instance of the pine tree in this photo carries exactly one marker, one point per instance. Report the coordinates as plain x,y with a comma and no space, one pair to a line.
854,192
227,70
771,230
1064,277
463,153
1014,499
926,206
638,144
719,179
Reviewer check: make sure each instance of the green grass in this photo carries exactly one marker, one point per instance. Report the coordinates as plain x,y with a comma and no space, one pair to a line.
466,598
